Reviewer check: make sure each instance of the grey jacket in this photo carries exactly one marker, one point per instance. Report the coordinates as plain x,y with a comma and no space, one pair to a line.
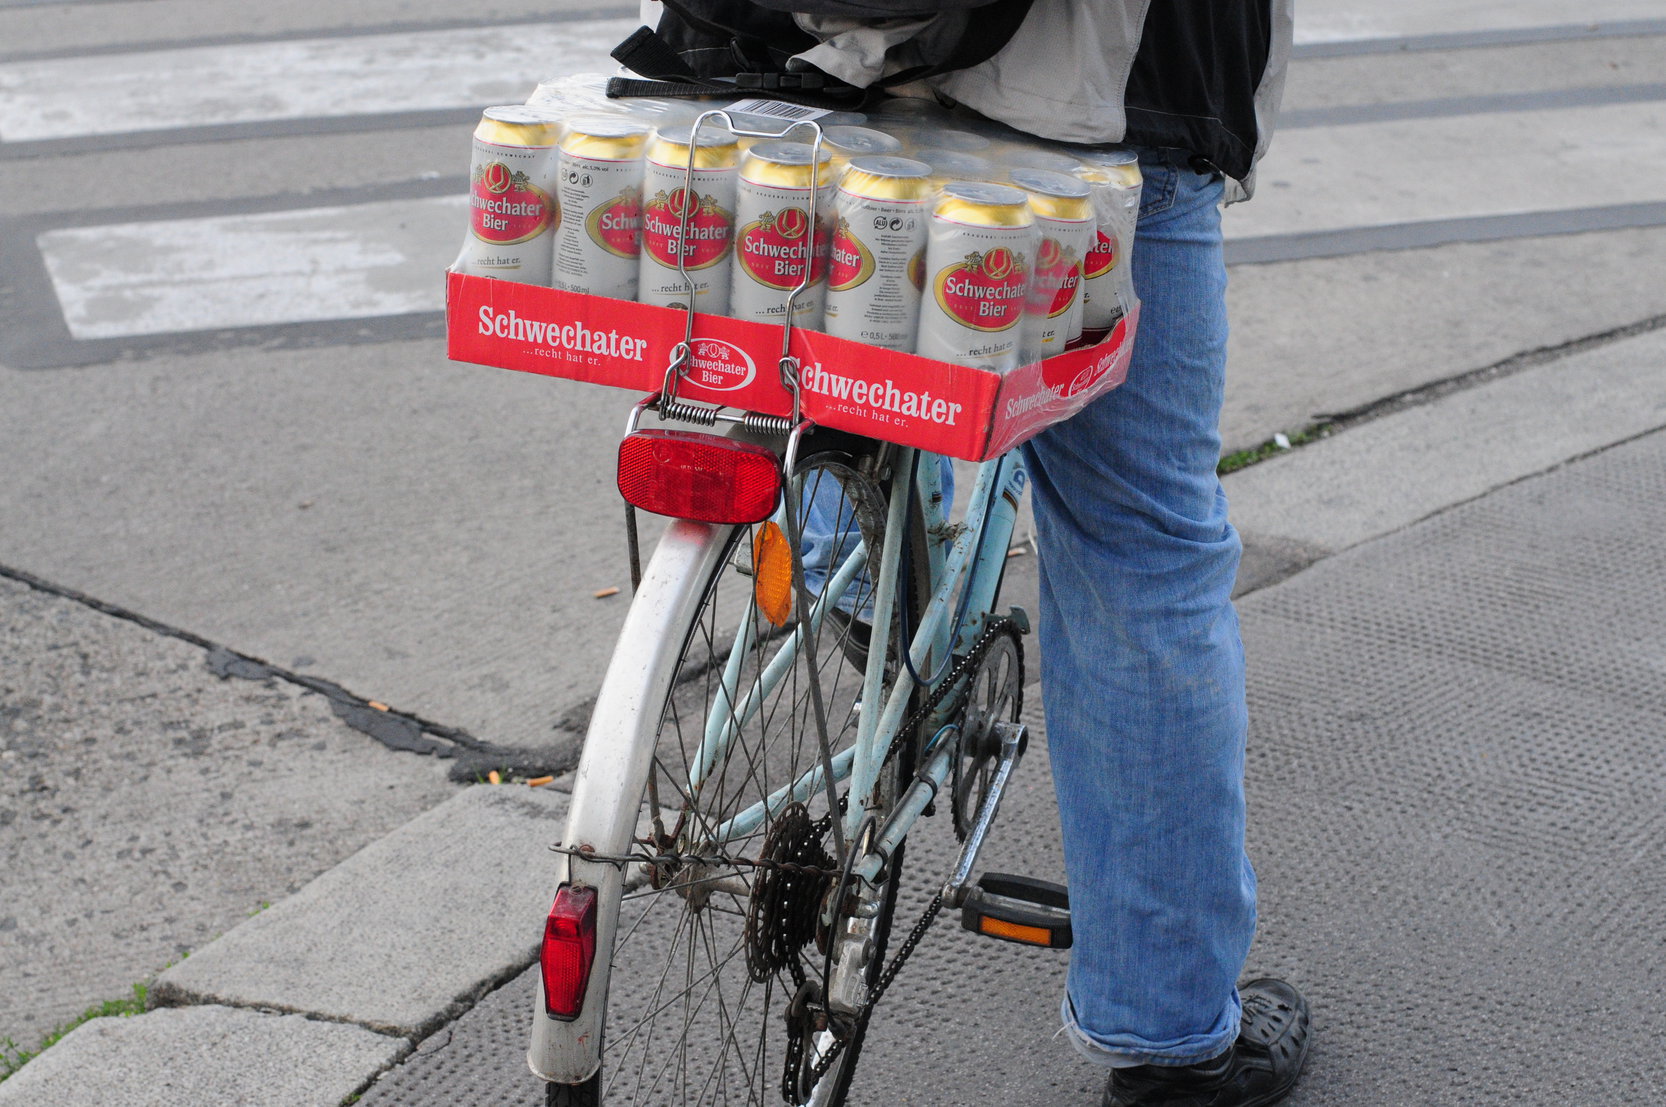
1064,75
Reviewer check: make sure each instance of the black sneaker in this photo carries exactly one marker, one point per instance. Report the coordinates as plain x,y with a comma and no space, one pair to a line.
1260,1068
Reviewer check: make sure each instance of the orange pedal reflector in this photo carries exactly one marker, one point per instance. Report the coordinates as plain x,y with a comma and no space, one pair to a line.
1015,932
1020,909
772,573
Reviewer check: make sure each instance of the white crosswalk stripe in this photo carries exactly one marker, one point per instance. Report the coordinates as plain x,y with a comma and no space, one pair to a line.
433,70
300,79
1345,20
317,264
1326,178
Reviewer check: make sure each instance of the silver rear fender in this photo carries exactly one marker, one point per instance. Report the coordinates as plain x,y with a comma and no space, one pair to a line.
613,772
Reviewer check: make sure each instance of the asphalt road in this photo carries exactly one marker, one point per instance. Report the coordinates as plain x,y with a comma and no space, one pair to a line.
225,407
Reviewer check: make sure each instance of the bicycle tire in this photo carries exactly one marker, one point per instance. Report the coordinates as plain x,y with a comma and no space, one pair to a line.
587,1094
686,1021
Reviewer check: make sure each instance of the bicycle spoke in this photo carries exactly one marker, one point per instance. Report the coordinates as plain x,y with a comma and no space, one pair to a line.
630,1035
725,1019
661,1008
710,980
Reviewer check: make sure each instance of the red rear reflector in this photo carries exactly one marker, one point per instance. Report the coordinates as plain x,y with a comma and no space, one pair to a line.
569,950
690,475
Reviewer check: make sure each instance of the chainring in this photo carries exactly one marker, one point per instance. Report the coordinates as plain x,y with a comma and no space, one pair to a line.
994,694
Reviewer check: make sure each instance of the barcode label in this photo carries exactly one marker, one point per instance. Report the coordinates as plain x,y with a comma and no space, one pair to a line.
778,109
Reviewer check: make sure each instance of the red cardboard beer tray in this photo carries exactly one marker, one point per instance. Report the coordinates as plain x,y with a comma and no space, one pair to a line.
957,410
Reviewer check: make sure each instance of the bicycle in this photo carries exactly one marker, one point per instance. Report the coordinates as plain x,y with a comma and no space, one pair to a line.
748,889
812,661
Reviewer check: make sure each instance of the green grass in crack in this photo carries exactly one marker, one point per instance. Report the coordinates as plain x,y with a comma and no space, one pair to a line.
13,1057
1243,459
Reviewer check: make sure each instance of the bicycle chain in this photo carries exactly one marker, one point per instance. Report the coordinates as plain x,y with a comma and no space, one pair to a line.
861,1019
972,658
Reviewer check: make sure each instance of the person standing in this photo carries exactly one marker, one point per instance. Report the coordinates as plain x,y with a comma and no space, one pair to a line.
1142,667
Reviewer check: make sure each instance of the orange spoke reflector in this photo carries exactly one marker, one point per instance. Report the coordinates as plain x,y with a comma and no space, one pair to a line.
772,573
1015,932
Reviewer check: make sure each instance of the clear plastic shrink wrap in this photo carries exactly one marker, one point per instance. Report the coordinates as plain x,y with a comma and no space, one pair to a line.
930,232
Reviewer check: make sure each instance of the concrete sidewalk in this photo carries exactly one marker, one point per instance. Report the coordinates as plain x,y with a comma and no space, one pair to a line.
1456,643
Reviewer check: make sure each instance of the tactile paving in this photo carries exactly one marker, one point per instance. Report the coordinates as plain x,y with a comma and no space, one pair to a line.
1456,767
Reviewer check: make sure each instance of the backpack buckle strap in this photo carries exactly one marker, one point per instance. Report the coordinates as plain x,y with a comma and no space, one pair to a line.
805,81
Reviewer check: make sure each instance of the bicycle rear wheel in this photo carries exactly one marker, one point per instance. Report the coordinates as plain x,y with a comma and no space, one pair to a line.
715,945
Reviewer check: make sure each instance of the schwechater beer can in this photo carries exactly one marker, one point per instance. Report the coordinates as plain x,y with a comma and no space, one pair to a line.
964,141
876,270
1064,216
909,119
598,246
775,243
1018,156
952,165
845,143
709,204
979,253
512,204
908,107
1108,275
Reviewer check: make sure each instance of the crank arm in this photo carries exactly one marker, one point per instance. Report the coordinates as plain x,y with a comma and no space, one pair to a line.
1014,737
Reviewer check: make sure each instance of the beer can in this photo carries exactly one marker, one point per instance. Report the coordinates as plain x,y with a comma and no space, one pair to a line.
512,203
979,252
776,238
844,143
907,107
1019,156
1064,216
876,269
708,204
766,126
951,165
964,142
1108,273
909,119
598,246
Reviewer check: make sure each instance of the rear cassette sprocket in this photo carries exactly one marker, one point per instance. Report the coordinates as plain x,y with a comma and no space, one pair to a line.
785,904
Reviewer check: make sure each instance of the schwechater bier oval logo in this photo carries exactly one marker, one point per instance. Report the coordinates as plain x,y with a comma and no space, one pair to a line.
720,366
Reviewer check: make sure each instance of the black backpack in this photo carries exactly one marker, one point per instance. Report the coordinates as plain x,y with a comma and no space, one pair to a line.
737,47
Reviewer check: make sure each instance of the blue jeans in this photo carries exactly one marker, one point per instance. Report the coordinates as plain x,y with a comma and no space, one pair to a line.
1141,665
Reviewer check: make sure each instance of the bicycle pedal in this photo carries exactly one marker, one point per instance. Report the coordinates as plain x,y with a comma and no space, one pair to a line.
1018,909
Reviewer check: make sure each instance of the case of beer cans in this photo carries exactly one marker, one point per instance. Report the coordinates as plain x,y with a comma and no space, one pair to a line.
951,284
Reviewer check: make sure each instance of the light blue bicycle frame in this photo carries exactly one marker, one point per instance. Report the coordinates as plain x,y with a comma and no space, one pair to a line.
973,552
